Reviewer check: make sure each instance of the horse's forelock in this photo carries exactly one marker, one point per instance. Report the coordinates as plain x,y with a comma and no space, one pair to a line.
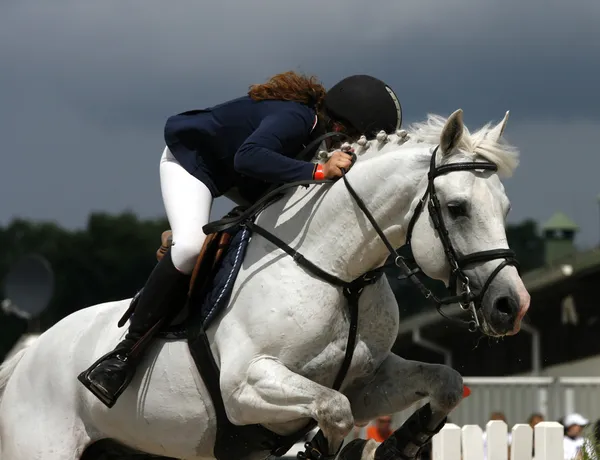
478,143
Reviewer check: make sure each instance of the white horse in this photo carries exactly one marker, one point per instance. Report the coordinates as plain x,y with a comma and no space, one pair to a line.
281,340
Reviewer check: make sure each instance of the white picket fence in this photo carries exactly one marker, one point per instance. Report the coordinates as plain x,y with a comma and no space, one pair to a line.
454,443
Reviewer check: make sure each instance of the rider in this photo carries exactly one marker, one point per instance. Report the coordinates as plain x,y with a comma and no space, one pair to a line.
238,149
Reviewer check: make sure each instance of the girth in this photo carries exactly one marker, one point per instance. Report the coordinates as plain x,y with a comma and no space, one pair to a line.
234,442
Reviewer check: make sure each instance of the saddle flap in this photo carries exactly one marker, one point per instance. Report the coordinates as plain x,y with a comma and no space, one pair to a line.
215,246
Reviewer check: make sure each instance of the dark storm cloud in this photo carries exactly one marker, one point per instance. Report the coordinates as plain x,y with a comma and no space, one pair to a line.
142,57
86,86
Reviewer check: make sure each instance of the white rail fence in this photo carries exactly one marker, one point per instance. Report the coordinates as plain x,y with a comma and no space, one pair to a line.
519,397
467,443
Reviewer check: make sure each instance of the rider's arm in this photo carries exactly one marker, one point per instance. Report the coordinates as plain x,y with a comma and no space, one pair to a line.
259,155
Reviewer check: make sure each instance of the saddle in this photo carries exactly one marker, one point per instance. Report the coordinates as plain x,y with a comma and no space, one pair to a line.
210,287
214,248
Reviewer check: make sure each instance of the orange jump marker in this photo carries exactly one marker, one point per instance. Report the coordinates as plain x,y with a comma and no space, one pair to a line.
466,391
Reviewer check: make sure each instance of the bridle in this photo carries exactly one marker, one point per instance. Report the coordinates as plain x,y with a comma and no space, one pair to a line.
465,297
352,290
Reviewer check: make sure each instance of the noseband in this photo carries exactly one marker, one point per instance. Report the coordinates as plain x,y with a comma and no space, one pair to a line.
259,436
459,281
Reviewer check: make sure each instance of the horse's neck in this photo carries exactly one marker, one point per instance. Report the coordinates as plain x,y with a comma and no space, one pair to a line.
340,238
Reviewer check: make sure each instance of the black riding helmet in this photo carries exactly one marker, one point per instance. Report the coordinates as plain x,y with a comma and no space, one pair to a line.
366,103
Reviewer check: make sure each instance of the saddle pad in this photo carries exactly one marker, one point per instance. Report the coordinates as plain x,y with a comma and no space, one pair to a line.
220,287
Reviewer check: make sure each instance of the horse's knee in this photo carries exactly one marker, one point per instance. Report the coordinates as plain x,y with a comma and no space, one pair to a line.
334,411
449,389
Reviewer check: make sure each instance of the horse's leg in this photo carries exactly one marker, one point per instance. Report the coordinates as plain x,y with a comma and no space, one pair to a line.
271,394
396,385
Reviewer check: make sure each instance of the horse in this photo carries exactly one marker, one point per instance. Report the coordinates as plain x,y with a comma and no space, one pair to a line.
283,335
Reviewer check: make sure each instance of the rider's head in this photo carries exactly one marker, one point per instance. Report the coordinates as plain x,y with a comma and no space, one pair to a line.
356,105
290,86
361,104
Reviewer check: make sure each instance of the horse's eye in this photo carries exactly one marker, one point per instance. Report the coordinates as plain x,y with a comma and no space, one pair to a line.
457,209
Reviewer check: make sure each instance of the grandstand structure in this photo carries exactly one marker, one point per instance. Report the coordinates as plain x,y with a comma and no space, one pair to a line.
552,366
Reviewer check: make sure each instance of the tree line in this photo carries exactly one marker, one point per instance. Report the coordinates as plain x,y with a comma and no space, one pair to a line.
113,255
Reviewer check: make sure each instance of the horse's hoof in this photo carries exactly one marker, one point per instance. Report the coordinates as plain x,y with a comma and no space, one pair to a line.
353,450
407,441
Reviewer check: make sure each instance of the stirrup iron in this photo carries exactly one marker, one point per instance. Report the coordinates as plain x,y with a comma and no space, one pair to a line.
84,378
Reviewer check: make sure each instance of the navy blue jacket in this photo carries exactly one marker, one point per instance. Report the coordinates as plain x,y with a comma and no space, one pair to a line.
243,145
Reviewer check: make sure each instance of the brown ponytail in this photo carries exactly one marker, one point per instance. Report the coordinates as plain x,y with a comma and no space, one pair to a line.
290,86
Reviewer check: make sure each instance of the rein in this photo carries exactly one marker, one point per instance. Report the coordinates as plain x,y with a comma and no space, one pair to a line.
279,445
466,298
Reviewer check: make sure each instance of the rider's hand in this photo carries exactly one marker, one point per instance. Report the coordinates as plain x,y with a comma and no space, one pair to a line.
336,162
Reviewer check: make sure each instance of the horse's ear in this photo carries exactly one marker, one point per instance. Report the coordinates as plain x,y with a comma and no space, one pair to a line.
452,132
497,131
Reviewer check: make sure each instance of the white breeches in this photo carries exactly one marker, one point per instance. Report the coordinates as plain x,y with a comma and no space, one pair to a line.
187,203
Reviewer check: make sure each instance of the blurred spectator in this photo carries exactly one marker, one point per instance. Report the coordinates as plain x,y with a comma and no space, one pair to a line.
533,420
496,416
573,440
381,429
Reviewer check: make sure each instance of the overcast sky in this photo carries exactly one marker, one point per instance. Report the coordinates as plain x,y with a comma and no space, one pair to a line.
85,87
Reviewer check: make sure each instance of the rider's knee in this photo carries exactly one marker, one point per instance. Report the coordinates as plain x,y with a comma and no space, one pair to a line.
185,251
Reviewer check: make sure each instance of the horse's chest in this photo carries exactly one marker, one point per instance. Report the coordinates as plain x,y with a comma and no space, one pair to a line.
305,323
324,367
377,330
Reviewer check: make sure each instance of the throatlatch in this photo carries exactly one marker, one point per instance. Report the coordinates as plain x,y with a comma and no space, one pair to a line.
236,442
466,298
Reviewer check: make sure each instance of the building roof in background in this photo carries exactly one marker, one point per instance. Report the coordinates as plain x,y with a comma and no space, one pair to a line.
560,221
576,264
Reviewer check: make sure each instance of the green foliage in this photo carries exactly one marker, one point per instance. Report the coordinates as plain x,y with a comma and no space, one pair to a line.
591,443
110,259
591,450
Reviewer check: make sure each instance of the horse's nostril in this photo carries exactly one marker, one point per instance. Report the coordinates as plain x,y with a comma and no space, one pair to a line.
505,305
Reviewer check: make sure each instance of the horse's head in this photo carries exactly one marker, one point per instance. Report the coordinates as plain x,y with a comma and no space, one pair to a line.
458,235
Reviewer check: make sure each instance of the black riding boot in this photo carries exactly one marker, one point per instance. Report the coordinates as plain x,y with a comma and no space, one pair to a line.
165,292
